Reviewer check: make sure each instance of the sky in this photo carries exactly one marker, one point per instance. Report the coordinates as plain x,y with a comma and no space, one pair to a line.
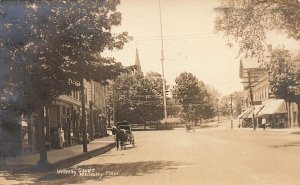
190,42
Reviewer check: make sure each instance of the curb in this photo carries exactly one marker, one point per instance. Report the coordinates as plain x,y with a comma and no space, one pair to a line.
287,131
65,163
81,157
295,132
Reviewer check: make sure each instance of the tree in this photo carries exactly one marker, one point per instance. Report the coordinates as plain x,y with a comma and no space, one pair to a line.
214,95
192,95
283,74
237,99
124,88
137,97
249,22
151,89
172,108
237,104
49,48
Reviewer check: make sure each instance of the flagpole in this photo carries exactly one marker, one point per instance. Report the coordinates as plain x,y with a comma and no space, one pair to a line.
162,65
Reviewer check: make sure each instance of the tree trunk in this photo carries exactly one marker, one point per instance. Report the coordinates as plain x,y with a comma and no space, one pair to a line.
92,123
83,118
43,162
289,115
47,122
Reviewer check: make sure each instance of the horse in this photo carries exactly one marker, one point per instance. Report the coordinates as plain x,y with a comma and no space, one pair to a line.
189,127
120,136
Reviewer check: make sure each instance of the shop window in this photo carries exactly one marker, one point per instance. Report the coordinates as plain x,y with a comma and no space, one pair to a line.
86,96
24,132
76,95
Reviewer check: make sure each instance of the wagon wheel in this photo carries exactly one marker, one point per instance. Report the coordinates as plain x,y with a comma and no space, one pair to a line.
117,144
133,143
123,145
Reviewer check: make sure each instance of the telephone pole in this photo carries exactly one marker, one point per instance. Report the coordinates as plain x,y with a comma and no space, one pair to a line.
114,103
251,100
162,66
231,112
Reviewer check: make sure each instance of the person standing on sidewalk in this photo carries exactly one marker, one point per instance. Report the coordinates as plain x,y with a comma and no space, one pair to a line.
263,122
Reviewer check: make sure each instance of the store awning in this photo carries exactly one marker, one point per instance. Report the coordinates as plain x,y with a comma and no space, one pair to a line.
243,113
273,107
255,110
248,112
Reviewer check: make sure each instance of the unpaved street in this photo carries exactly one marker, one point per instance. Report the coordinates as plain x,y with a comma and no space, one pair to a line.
207,156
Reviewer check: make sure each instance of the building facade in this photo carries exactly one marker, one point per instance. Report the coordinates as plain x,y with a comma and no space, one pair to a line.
62,123
259,100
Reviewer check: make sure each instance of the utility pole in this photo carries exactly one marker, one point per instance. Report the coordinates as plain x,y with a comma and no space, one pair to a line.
162,66
114,104
83,120
231,112
251,99
218,113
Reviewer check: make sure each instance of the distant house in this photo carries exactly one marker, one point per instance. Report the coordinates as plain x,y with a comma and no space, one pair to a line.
255,81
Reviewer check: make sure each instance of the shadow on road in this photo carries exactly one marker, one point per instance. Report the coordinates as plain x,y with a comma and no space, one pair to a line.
291,144
97,172
8,177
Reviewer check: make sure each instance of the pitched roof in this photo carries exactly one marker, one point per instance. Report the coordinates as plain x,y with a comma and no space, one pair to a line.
248,63
137,62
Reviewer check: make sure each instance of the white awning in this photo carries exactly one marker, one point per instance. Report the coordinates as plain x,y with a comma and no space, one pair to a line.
243,113
254,110
273,107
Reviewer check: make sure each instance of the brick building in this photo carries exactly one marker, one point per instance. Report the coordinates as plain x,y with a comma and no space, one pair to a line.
65,112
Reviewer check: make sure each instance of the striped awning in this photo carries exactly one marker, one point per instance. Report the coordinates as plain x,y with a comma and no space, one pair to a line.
251,110
255,110
274,107
243,113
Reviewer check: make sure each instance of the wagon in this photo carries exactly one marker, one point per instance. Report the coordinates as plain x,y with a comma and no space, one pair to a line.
124,135
189,127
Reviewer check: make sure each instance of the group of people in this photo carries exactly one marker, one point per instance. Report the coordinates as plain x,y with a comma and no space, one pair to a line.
263,123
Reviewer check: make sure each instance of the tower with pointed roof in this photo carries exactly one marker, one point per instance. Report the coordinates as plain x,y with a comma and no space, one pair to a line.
137,63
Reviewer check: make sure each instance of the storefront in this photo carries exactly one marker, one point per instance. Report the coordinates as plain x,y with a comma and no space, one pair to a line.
276,113
246,118
64,121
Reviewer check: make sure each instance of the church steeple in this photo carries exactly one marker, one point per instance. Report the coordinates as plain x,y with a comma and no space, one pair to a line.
137,62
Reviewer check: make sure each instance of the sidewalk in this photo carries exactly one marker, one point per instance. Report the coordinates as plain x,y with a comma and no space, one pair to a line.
294,130
61,157
225,124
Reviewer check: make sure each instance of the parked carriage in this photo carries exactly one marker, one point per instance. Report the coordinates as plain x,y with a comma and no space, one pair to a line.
189,127
123,135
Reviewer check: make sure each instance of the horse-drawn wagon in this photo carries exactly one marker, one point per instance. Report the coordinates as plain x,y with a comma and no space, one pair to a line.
189,127
123,135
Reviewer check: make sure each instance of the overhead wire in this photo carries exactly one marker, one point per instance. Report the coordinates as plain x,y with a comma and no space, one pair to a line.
174,37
